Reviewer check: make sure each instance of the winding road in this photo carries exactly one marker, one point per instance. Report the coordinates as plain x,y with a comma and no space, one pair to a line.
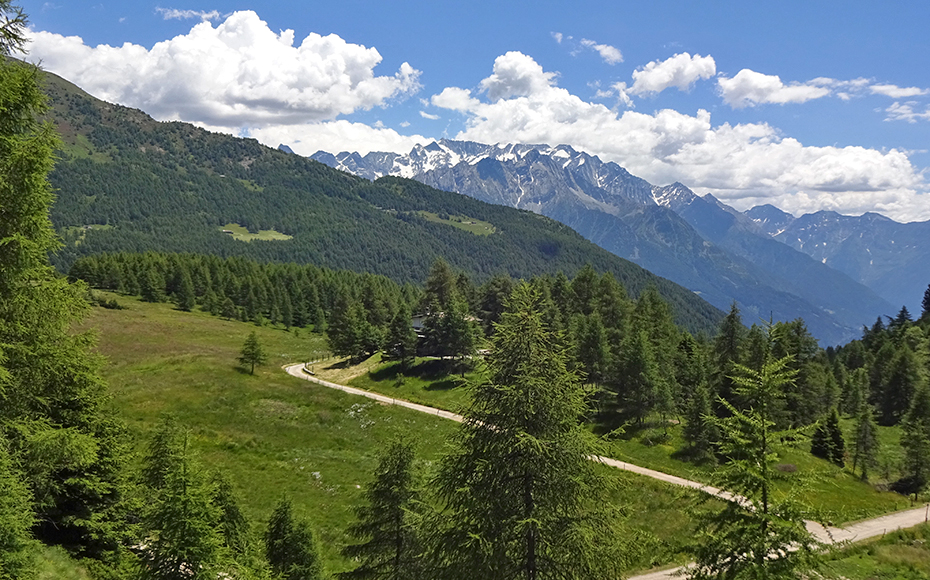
851,533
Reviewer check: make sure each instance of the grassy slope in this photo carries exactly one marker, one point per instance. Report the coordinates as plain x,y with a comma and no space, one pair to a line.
836,492
273,434
901,554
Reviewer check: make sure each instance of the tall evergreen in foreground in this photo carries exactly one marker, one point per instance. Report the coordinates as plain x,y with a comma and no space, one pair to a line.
17,548
290,547
521,498
760,536
51,395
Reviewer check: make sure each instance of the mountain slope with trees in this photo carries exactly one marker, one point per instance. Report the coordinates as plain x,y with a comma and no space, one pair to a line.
128,183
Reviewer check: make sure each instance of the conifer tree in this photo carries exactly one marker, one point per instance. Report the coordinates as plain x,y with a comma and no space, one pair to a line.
727,351
185,541
387,526
49,381
635,377
915,439
520,498
700,431
233,526
827,441
925,304
865,442
761,536
290,547
184,298
252,353
228,309
164,452
17,547
402,339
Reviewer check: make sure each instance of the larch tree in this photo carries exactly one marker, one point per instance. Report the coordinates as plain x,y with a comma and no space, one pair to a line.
915,439
520,497
760,536
17,546
290,546
252,353
389,546
51,391
865,442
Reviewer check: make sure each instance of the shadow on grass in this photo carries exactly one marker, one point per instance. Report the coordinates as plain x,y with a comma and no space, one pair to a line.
438,373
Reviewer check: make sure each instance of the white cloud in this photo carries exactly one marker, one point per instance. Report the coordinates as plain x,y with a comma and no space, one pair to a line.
680,71
896,92
175,14
515,74
239,73
905,112
557,36
610,54
749,88
334,137
429,116
742,165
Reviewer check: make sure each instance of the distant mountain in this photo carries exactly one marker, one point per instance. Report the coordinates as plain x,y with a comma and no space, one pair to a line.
128,183
699,243
891,258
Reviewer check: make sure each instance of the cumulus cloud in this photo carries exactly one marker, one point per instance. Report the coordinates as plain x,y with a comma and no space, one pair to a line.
743,164
175,14
515,74
680,71
238,73
610,54
749,88
334,137
896,92
905,112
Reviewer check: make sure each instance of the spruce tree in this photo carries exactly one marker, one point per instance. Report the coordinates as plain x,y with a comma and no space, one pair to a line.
762,536
290,547
389,547
925,305
827,441
184,298
252,353
519,496
699,430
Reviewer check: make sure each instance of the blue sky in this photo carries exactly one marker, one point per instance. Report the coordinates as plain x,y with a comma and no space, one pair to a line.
806,105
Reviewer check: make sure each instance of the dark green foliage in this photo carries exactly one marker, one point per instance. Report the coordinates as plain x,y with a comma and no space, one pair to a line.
402,339
727,352
700,431
827,441
925,304
290,547
520,497
865,442
389,547
760,537
164,453
184,296
252,353
52,399
635,378
234,527
915,439
17,548
184,542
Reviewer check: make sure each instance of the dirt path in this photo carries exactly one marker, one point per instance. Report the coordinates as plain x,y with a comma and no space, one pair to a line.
852,533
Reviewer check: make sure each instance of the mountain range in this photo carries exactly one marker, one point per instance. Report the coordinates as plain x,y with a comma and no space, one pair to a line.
698,242
127,183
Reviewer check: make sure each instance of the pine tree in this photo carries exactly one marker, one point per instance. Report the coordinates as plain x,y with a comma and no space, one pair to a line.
390,548
17,547
865,442
520,499
915,439
252,353
290,547
762,536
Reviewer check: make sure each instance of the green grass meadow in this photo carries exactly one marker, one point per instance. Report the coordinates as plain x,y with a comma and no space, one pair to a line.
273,434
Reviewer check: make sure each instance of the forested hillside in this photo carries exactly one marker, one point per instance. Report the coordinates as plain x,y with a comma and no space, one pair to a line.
128,183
